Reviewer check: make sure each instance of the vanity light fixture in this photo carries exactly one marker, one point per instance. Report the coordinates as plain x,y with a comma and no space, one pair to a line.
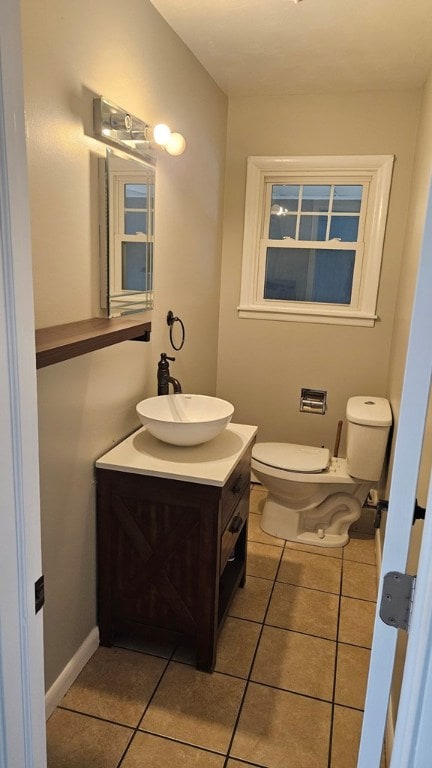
173,143
114,125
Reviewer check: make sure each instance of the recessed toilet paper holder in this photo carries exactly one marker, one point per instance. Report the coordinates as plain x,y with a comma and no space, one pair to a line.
313,401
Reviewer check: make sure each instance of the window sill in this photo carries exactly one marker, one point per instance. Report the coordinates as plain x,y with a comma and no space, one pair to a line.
302,315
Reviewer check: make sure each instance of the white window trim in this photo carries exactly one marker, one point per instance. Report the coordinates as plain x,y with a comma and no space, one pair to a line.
374,169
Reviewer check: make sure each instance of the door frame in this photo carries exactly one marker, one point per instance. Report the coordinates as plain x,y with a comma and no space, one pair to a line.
22,711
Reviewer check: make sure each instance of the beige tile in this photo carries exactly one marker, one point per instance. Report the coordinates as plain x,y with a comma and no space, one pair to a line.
155,752
359,580
276,724
356,621
345,737
257,499
304,610
240,764
263,560
77,741
315,550
116,684
251,601
361,548
195,707
295,662
307,570
351,675
255,533
236,646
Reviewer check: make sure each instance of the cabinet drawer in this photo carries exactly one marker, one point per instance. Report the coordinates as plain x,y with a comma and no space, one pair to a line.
234,488
232,531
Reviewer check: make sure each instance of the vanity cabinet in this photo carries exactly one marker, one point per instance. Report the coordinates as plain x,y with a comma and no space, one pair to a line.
171,554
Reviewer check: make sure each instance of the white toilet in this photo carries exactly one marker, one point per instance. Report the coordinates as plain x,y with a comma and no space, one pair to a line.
313,498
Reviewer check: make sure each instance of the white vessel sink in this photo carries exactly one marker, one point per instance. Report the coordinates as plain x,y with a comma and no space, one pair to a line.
185,419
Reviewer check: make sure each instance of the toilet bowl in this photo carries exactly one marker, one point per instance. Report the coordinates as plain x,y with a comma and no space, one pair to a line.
313,498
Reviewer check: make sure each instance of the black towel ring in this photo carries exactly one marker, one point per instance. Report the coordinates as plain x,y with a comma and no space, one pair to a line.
170,321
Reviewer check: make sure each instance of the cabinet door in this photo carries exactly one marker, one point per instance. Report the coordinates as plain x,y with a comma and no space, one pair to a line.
158,557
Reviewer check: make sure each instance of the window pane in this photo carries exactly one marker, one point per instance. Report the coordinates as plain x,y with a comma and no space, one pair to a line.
333,276
344,227
135,222
286,269
347,199
315,198
285,196
282,226
313,227
135,196
136,272
309,274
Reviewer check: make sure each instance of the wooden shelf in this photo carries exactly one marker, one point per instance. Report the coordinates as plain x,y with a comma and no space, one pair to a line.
62,342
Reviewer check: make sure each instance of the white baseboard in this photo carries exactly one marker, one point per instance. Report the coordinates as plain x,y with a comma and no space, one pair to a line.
71,671
390,723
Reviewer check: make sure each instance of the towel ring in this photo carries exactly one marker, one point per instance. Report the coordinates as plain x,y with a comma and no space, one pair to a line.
171,319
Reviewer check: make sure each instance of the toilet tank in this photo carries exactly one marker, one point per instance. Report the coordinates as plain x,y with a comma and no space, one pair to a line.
369,420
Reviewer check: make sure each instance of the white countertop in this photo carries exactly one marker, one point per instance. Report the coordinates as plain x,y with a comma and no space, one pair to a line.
208,464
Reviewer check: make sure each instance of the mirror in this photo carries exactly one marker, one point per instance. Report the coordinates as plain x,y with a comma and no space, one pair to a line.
127,187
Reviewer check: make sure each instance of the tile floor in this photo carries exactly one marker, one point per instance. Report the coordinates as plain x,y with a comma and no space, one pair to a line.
288,688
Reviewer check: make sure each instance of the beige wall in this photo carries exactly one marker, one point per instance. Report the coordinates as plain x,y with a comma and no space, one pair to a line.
72,51
263,364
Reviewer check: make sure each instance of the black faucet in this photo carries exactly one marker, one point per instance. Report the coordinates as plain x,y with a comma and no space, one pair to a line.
163,376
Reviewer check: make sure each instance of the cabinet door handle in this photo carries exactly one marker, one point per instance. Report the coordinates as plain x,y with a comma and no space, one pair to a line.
238,485
236,524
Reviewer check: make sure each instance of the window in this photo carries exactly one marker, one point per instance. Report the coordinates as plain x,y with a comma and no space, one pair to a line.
133,236
313,238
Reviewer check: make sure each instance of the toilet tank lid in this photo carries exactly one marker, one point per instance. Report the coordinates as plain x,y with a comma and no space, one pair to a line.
371,411
292,457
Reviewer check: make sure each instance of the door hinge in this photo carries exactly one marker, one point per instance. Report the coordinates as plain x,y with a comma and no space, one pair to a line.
39,593
397,598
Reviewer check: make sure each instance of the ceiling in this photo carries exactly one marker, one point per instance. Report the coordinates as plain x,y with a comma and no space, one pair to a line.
280,47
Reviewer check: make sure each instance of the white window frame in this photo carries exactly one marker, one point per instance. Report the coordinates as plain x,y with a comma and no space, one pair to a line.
372,171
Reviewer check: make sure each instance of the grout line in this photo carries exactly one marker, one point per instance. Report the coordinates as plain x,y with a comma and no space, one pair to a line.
335,668
145,710
95,717
248,679
313,589
180,741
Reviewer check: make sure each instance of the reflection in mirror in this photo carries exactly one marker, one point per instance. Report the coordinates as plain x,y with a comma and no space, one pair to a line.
127,188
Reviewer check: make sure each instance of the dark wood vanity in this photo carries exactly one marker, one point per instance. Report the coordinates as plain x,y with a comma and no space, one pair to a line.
172,552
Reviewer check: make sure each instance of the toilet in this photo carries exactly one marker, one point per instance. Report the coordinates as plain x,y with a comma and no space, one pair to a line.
313,498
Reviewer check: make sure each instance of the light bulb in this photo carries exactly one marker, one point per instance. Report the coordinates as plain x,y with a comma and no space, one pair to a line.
161,133
176,144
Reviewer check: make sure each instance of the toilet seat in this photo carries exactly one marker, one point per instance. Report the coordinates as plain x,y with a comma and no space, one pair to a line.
291,457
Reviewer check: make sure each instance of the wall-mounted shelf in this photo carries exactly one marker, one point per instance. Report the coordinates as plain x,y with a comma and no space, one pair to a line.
61,342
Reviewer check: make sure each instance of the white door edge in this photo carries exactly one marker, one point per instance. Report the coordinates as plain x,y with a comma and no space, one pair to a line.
409,440
412,743
22,722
